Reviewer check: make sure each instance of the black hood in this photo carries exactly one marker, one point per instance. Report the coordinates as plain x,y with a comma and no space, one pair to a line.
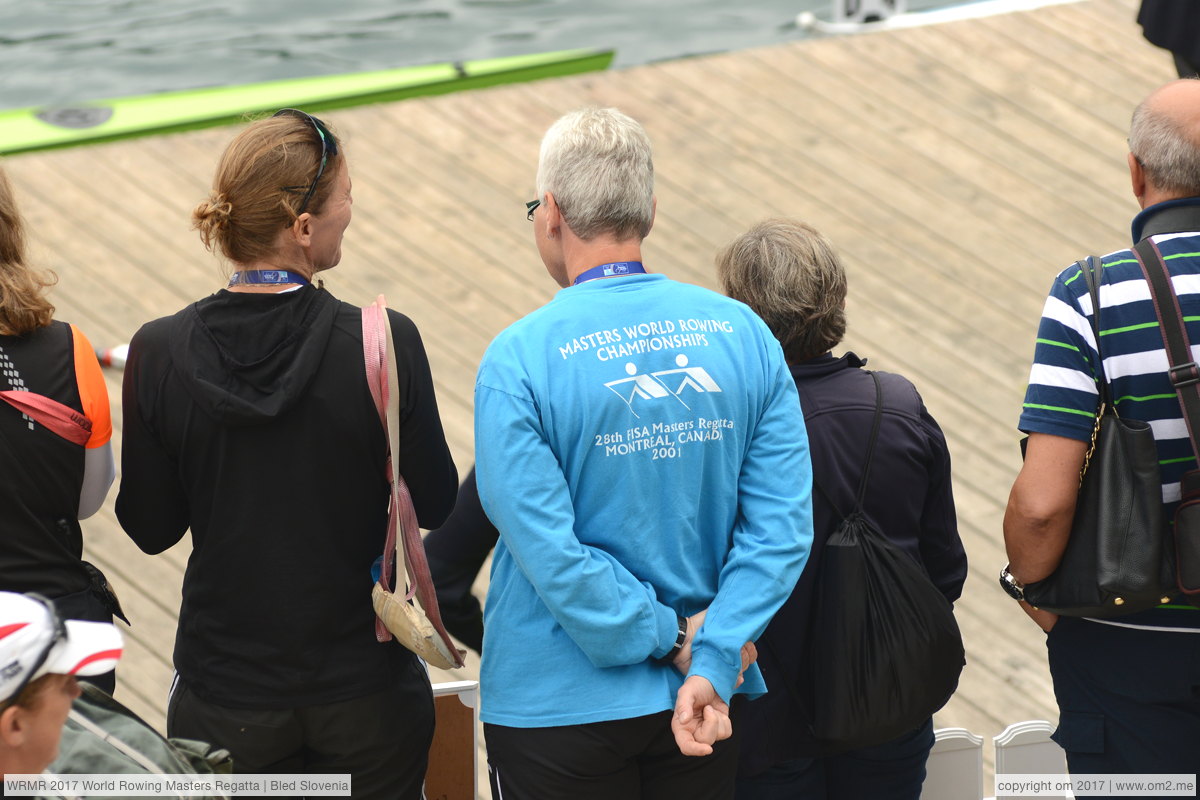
247,358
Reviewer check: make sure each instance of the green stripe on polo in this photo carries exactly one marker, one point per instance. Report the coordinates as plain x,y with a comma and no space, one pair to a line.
1127,328
1061,409
1053,343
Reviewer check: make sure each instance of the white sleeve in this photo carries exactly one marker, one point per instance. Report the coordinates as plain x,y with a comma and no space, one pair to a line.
99,471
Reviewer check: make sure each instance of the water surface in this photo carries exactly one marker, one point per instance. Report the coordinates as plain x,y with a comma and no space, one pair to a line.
55,52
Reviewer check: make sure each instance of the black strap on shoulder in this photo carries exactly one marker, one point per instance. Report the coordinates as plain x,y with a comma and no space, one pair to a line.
1093,275
862,493
866,473
1183,372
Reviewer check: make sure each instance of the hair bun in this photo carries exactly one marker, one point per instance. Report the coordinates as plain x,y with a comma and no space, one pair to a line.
212,216
219,208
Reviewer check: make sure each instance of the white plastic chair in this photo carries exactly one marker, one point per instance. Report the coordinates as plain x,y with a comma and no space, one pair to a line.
1025,748
954,770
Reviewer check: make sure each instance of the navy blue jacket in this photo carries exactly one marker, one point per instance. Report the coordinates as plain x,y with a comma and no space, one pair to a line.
909,498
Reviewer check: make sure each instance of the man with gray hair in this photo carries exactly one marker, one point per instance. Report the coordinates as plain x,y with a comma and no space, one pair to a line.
1128,689
640,447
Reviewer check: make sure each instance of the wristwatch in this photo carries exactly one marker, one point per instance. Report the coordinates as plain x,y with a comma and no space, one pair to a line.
1015,589
682,623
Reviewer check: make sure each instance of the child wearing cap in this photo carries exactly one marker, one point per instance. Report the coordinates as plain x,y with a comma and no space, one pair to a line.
40,657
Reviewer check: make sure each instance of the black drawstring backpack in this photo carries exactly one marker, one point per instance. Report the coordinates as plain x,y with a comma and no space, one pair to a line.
886,651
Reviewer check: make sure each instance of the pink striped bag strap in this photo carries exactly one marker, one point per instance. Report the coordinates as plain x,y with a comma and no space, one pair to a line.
375,358
53,415
378,355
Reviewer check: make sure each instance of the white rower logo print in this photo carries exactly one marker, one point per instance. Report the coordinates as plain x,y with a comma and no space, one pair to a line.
667,383
660,385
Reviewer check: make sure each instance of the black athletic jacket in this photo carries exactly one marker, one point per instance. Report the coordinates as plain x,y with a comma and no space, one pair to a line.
909,498
248,419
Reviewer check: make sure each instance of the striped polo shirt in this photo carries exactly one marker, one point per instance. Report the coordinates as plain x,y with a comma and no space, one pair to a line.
1062,395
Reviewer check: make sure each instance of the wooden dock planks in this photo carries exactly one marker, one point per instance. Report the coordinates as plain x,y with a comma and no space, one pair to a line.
957,168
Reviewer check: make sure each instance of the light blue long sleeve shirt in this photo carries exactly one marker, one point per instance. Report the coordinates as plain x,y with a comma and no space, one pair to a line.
640,447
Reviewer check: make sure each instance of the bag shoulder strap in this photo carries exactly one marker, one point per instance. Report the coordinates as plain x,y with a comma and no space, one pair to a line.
375,361
1183,372
1093,274
858,504
53,415
866,473
403,546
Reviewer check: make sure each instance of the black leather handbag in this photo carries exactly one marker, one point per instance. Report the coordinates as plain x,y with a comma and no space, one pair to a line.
1119,559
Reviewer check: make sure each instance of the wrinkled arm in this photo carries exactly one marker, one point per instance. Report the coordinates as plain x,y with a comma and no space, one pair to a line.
1041,506
1037,521
1059,413
611,615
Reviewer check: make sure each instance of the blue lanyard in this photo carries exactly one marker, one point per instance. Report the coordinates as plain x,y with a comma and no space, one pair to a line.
613,270
261,276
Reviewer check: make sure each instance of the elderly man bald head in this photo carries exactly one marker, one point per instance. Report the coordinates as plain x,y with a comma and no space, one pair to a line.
1164,143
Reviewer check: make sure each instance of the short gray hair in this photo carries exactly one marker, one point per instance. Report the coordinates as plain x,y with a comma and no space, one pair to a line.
1168,152
789,274
597,164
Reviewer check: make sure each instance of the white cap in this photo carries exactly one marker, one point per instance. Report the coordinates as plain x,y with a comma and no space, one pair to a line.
29,632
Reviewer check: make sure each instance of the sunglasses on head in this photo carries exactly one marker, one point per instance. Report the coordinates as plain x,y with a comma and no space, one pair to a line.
60,634
328,148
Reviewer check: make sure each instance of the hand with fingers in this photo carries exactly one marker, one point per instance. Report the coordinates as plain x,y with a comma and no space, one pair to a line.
701,717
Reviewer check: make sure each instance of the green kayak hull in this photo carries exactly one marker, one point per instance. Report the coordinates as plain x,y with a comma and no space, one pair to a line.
27,129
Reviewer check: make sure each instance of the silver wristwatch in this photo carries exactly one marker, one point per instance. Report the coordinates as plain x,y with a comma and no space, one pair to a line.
1015,589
